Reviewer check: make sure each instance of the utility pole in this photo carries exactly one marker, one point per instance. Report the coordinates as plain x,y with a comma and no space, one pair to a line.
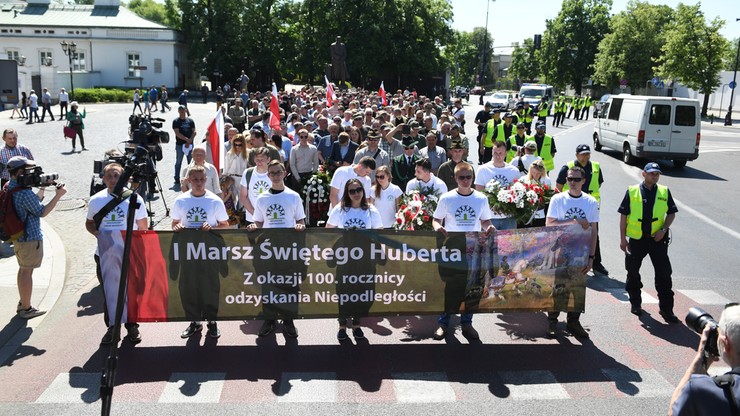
733,85
485,46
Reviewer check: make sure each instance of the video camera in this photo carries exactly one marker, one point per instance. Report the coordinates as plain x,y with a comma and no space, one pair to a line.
145,130
35,177
697,319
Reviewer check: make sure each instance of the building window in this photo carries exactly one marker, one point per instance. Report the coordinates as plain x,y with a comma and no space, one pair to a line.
134,60
78,64
157,66
46,58
13,54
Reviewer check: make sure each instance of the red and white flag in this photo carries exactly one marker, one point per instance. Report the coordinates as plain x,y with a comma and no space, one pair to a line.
274,110
381,91
330,96
216,140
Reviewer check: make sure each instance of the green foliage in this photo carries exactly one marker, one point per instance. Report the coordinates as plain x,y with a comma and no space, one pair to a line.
633,47
464,55
694,51
102,95
151,10
731,57
570,42
524,62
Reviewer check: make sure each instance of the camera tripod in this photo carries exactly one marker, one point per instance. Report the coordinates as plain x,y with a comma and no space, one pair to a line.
146,186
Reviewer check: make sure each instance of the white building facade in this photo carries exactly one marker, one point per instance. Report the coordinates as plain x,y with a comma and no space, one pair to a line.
114,47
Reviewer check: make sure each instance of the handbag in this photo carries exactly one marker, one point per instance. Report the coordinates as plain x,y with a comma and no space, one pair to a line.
69,132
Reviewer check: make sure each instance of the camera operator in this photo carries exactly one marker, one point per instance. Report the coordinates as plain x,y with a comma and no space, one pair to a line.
29,248
184,128
700,394
113,220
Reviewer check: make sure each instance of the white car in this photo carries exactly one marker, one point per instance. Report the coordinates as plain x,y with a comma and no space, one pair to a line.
502,100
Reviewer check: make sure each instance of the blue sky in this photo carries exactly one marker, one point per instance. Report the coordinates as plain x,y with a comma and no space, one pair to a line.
515,20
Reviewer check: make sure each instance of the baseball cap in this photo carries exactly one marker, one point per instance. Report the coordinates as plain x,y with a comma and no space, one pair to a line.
182,107
487,104
582,149
529,144
496,110
649,168
17,162
508,115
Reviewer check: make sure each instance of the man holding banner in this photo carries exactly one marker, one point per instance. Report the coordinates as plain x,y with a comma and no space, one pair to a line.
112,218
571,207
460,210
280,207
199,286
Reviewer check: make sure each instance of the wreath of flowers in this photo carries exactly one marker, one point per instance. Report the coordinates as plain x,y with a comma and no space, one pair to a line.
519,200
417,209
315,193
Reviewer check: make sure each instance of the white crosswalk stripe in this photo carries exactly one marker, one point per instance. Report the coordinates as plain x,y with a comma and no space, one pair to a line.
524,385
621,295
639,383
72,388
193,388
318,387
705,297
422,388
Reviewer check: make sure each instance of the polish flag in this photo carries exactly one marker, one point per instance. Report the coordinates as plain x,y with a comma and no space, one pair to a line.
329,93
216,140
274,110
381,91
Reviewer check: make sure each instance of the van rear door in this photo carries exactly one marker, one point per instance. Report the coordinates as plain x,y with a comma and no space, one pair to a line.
685,128
658,127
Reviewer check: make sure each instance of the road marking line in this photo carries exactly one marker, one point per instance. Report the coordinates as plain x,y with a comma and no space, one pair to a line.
193,388
631,170
621,295
432,387
705,297
308,388
72,388
639,383
527,385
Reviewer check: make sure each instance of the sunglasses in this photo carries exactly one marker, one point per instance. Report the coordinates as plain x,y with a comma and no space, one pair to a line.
380,176
408,147
238,144
276,172
372,139
465,177
355,191
572,179
303,136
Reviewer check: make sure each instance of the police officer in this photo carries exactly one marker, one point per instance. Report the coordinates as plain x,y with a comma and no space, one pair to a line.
485,147
591,186
647,212
545,146
543,110
516,142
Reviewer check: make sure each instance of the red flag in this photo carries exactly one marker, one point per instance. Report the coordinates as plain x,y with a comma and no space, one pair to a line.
216,140
274,110
330,96
381,91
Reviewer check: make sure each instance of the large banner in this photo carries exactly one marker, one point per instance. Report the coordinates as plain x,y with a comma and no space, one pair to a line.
235,275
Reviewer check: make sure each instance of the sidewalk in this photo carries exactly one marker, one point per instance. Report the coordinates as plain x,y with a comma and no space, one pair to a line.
48,281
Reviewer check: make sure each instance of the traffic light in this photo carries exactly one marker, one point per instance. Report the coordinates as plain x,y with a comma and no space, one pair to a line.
537,41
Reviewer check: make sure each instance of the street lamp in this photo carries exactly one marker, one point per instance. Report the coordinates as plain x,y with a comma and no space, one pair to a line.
70,49
482,79
728,117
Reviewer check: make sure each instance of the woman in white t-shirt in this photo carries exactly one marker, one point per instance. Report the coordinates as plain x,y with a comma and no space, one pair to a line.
387,196
354,212
537,174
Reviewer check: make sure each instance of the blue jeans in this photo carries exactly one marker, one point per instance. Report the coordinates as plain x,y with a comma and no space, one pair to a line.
504,223
178,160
465,318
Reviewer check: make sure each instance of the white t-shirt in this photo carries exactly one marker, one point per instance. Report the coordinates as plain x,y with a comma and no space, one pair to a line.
258,184
463,212
505,176
193,211
211,176
343,175
565,207
115,220
386,204
281,210
526,161
439,186
355,218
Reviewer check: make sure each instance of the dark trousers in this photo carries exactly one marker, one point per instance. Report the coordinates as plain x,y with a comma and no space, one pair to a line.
563,278
585,111
62,109
658,252
78,129
570,111
487,155
47,107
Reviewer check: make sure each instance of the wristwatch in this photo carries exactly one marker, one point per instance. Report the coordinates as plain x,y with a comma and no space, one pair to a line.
665,230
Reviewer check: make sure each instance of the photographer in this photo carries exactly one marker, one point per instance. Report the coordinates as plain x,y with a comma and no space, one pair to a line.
29,248
700,394
113,220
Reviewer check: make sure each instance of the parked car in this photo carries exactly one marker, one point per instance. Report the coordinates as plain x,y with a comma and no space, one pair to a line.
502,100
598,105
650,127
476,90
461,92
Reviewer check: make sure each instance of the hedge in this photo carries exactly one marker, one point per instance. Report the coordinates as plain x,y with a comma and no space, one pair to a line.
102,95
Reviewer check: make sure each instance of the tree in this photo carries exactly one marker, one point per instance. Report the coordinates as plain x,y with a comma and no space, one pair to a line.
151,10
571,40
731,57
463,57
524,62
694,51
634,45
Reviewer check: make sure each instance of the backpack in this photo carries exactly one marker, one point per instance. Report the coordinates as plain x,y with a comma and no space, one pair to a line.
11,228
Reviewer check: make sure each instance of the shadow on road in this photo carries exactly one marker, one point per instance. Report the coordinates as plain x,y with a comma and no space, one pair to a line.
668,169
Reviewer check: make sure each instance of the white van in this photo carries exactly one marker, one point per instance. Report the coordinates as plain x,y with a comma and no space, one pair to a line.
533,93
650,127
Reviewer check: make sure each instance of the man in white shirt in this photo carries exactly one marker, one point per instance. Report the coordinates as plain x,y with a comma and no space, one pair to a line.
523,161
199,158
280,207
572,207
114,220
343,174
425,179
460,210
505,174
304,158
63,101
254,182
199,282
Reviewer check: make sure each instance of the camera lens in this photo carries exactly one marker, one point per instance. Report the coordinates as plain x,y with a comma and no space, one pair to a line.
697,319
